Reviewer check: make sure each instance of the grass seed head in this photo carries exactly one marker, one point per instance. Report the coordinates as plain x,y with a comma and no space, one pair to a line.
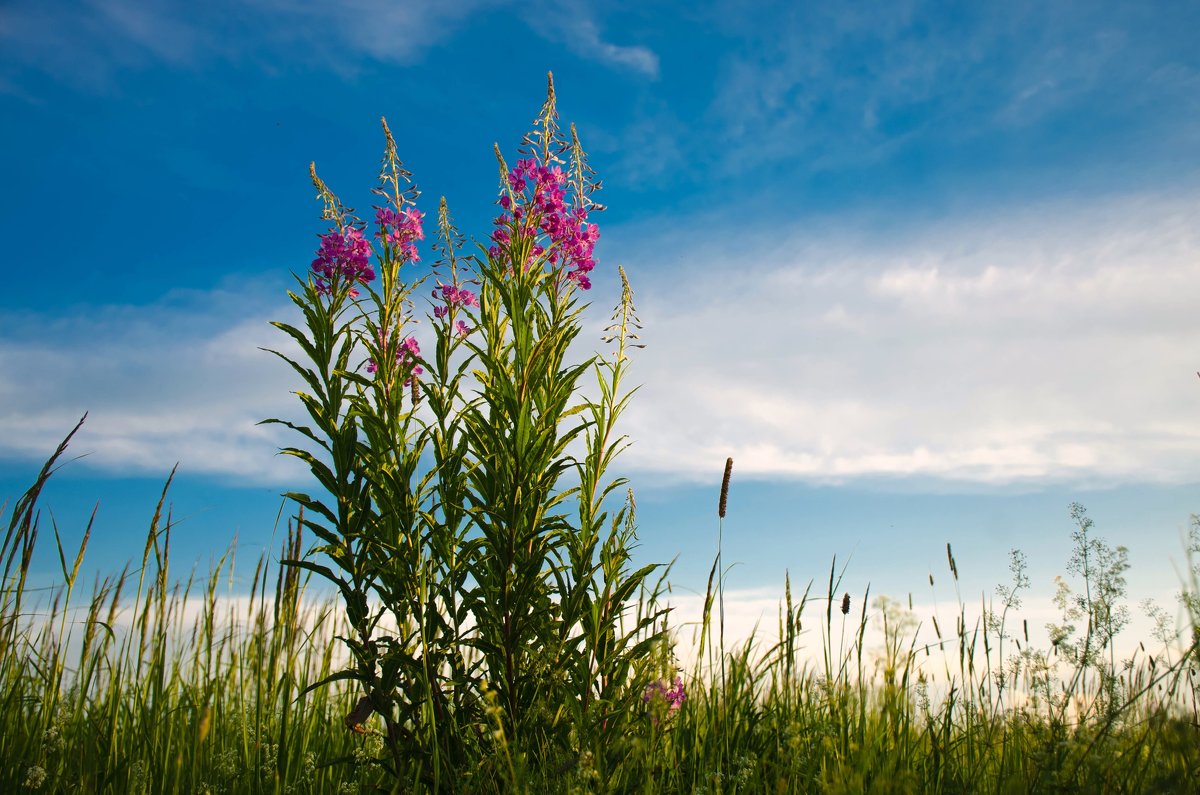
725,487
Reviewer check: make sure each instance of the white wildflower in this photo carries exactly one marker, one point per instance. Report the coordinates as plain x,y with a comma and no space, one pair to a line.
139,775
35,777
52,739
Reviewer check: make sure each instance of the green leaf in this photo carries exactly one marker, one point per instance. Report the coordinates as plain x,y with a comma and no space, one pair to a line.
340,676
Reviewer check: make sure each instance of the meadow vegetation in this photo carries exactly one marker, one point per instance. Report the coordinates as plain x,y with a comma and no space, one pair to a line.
483,629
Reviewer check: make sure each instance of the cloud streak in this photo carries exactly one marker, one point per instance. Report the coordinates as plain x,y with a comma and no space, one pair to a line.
181,381
1055,342
95,45
842,88
573,25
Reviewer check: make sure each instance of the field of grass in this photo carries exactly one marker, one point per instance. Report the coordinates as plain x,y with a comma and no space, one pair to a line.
487,631
144,683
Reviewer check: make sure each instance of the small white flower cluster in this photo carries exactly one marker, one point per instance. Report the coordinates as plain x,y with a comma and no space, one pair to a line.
369,751
52,739
743,770
139,777
307,771
35,777
228,764
270,757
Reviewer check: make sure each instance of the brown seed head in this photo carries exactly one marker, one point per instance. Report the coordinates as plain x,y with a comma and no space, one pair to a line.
846,604
725,487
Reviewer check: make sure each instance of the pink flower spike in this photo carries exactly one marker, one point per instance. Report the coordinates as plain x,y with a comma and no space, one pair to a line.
344,254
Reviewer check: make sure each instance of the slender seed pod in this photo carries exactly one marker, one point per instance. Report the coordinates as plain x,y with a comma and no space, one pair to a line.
725,487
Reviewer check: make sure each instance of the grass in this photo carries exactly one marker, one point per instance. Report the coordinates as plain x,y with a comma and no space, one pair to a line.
148,684
480,640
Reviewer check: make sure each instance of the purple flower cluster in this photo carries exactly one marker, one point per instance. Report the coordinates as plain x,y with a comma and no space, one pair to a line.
346,255
570,238
674,696
401,230
409,347
454,296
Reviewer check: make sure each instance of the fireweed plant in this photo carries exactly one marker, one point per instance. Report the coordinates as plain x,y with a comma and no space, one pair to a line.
494,630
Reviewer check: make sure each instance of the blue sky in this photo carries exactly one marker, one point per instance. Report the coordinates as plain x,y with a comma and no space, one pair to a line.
925,271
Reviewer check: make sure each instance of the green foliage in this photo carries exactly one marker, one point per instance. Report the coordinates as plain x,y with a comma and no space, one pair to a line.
472,596
152,686
487,630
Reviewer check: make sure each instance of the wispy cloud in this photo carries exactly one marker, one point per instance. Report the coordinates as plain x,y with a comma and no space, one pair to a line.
837,86
179,381
1052,342
86,45
827,81
395,32
92,45
647,153
573,24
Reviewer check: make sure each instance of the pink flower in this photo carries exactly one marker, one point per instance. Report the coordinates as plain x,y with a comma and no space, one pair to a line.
673,696
567,239
345,255
453,296
400,230
409,347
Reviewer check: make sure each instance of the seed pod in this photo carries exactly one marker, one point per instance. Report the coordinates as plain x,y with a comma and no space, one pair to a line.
725,487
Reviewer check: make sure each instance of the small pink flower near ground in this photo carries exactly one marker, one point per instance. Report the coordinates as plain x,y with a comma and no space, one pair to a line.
673,696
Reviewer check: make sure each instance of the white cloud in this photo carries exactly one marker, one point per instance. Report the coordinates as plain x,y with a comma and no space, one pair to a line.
398,32
838,87
93,45
1053,342
573,24
179,381
753,615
